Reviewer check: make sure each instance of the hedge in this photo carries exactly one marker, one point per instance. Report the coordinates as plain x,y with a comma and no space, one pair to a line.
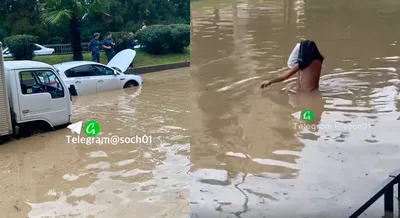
21,46
161,39
180,37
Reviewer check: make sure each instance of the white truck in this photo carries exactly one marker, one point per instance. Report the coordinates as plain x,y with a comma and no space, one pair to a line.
33,98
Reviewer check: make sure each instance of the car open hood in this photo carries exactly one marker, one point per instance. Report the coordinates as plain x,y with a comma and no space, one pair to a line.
122,60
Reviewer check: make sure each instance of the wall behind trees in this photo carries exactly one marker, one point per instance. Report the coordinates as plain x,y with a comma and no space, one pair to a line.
23,17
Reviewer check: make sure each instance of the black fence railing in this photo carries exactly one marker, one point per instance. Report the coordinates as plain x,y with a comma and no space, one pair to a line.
387,190
66,48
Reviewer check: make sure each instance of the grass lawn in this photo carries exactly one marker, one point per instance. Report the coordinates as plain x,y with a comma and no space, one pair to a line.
142,58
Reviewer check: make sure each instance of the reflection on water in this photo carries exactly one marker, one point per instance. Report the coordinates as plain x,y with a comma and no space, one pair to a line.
251,155
45,176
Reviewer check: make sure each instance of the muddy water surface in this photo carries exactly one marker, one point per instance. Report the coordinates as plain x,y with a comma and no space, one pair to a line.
251,155
45,176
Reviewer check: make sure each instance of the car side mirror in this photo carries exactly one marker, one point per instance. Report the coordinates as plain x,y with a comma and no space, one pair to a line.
116,73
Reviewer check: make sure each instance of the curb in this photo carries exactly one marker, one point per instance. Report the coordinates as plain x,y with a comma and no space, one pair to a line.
151,69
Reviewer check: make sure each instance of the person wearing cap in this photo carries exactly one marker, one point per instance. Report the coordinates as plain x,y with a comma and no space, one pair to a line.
94,47
307,60
109,45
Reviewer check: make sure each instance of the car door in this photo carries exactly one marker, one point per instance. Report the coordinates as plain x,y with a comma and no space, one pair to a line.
107,79
42,96
83,79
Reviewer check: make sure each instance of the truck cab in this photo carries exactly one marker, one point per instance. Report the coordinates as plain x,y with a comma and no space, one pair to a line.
36,99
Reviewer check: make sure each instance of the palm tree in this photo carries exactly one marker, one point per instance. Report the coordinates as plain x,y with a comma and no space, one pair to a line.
72,11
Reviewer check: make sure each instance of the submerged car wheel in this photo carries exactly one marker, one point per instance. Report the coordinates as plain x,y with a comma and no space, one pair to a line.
131,84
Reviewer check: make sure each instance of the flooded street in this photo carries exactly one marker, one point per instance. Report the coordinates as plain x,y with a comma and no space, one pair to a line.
45,176
250,155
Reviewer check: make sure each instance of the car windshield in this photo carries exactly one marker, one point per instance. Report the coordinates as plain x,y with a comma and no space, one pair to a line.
116,68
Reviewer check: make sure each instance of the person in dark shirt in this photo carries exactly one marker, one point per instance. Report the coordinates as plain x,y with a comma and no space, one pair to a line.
94,47
131,41
109,45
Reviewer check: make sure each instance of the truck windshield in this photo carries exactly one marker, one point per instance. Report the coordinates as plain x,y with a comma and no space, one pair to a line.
34,82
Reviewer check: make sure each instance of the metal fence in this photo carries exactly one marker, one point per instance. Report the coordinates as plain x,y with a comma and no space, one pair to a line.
385,189
66,48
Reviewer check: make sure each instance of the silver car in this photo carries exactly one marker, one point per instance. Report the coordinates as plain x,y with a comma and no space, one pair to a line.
86,77
39,50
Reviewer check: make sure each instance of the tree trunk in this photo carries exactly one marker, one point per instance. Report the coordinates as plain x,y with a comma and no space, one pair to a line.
75,39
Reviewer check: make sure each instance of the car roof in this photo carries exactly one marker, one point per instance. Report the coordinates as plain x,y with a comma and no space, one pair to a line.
68,65
18,65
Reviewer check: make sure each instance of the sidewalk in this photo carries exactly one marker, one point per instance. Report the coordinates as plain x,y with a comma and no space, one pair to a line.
150,69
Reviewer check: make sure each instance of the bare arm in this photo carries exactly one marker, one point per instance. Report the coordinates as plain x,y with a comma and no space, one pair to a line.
106,47
284,76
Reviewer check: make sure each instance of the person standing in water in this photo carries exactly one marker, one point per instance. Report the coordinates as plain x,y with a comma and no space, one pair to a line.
306,60
108,45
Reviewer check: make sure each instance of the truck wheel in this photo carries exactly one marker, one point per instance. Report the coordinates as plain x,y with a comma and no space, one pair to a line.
3,139
31,130
131,84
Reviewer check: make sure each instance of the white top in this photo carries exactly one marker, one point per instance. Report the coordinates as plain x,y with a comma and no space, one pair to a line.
294,56
19,65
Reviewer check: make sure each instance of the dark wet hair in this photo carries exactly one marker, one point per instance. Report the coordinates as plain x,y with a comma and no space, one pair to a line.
108,33
313,49
308,52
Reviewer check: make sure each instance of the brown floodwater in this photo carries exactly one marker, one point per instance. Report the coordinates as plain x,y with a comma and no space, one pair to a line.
45,176
251,156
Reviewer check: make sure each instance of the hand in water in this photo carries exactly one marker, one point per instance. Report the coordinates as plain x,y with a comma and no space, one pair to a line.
265,84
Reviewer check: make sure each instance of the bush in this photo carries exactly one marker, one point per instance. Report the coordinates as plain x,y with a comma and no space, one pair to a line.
180,37
160,39
156,38
179,20
120,40
21,46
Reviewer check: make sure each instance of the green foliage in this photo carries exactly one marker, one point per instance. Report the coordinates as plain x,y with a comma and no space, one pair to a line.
180,37
161,39
156,38
120,40
57,12
54,40
24,16
3,33
21,46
